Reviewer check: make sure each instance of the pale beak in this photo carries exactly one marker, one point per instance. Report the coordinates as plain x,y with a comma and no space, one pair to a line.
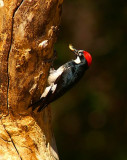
73,49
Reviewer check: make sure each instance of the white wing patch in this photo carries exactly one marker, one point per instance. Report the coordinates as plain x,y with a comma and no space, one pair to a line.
54,88
55,74
46,91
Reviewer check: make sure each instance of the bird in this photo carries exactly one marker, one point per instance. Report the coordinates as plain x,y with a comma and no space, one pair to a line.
64,78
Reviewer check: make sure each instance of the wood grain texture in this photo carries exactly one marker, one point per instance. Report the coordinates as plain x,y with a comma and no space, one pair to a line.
27,35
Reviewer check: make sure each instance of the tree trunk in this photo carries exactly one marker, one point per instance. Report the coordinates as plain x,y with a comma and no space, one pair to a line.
27,34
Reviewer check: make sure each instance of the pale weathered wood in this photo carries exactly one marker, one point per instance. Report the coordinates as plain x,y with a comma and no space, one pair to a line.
27,34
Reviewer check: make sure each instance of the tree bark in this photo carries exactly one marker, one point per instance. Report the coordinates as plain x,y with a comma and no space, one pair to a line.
27,35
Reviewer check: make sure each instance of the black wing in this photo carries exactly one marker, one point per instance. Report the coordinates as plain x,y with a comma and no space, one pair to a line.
63,83
44,101
52,96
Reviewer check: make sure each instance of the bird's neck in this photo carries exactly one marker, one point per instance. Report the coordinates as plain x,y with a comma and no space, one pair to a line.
77,60
80,59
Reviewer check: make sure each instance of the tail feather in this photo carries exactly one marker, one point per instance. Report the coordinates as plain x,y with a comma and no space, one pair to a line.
41,107
43,102
46,100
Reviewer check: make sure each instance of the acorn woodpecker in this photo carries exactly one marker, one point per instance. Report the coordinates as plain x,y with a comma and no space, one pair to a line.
64,78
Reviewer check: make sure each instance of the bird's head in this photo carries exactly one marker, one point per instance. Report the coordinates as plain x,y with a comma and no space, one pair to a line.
82,53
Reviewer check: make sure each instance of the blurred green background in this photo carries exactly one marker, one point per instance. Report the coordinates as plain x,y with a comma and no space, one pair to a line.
90,121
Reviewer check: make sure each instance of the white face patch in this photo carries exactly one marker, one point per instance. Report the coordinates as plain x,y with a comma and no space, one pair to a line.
77,60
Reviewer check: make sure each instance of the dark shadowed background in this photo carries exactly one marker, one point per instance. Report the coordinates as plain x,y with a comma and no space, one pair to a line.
90,121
